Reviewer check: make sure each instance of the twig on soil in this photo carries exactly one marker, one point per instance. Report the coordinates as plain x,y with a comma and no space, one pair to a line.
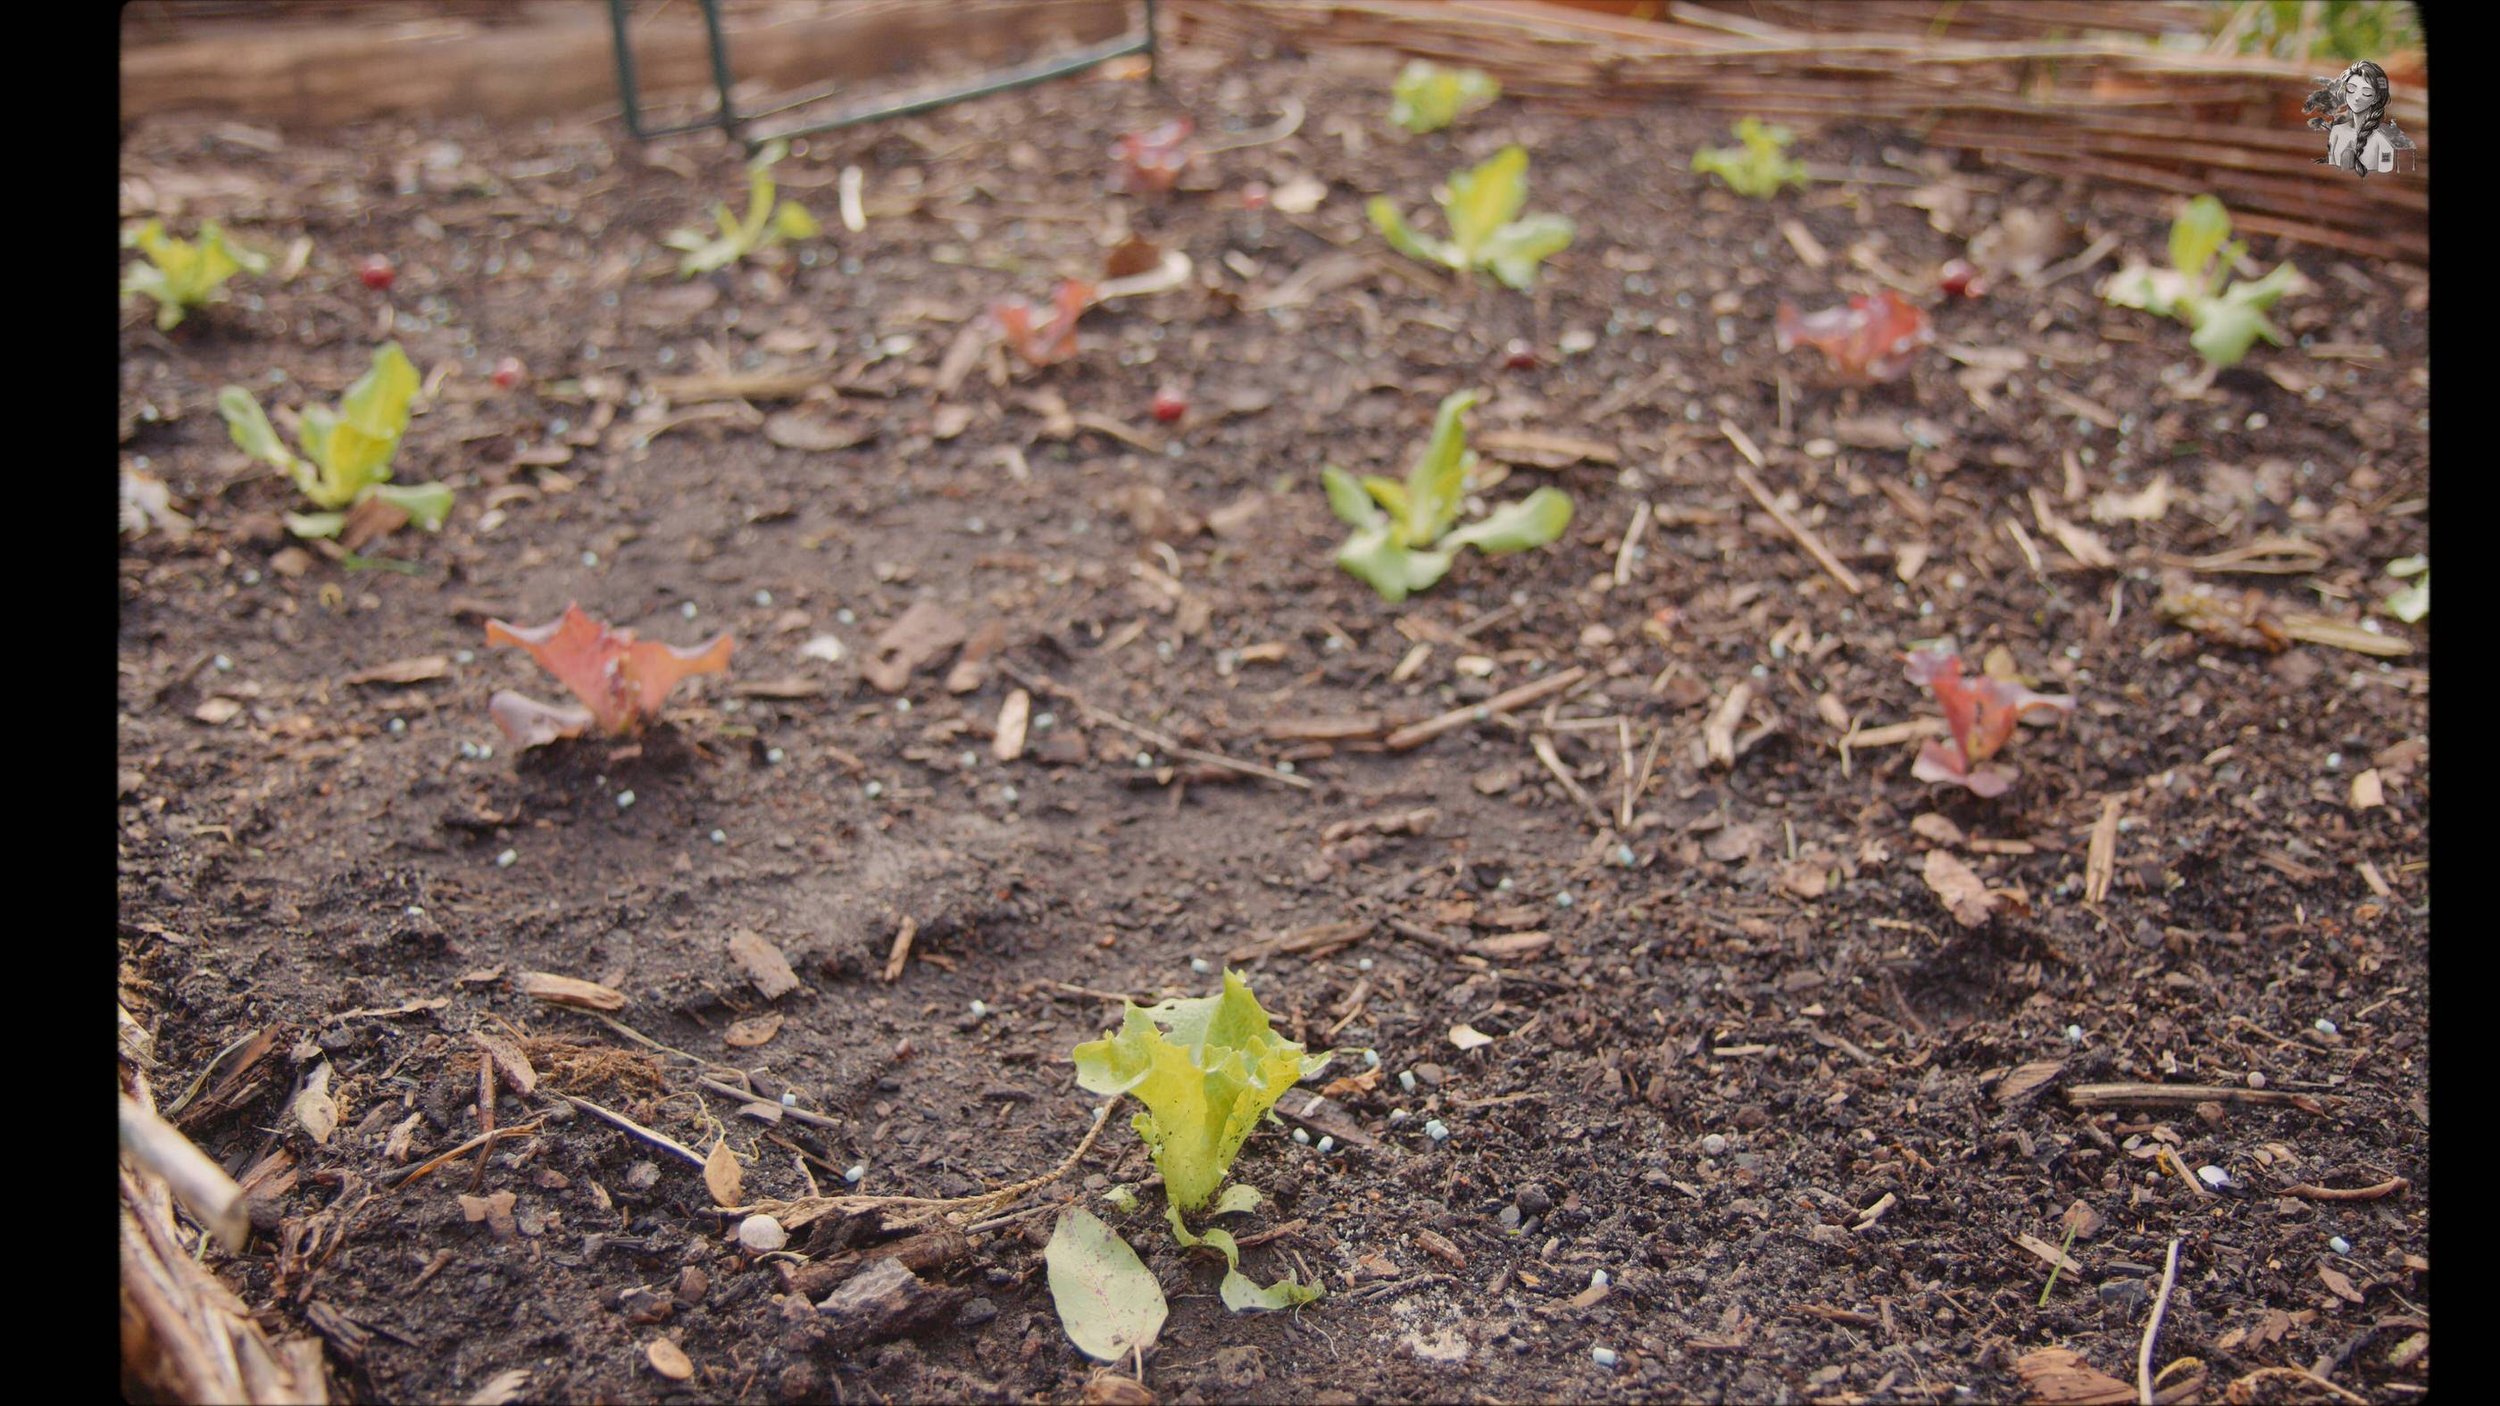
2100,863
463,1150
1543,746
895,960
485,1116
2152,1328
211,1196
2098,1096
1417,734
659,1140
2297,1374
793,1214
795,1115
647,1042
1417,931
1631,542
2307,1192
1803,534
1149,735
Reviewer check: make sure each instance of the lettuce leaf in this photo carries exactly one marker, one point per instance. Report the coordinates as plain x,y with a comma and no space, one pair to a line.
1207,1071
1410,546
1427,97
1482,207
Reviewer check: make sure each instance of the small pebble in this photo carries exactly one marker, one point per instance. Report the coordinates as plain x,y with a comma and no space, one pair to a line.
1562,900
902,705
1200,966
1436,1130
775,756
400,725
1362,964
846,616
720,837
590,558
1599,1279
980,1009
789,1098
222,664
1713,1145
2340,1245
624,800
1603,1356
1397,1116
506,859
2324,1025
762,1234
687,610
763,597
2074,1034
1302,1136
465,656
2213,1176
858,1170
1145,760
1406,1080
873,789
1009,794
1327,1145
1044,722
1371,1059
415,912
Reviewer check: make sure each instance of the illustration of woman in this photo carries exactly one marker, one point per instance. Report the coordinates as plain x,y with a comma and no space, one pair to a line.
2352,110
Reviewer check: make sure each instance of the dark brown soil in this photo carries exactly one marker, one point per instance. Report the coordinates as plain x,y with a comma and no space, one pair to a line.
1754,1021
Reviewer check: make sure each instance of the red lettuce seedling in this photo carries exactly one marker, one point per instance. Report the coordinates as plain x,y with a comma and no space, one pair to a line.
1872,339
1054,340
1152,160
1980,713
620,680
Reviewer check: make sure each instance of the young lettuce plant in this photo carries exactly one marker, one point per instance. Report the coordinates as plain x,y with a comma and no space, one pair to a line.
183,274
1980,713
2225,318
1759,167
347,451
620,680
1427,97
1403,541
1486,228
1207,1070
767,223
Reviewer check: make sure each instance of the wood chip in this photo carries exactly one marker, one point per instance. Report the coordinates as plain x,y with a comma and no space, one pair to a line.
763,964
403,671
2025,1080
669,1360
2049,1253
1015,716
753,1031
1511,946
899,955
2058,1377
1718,735
2368,792
510,1061
2101,862
569,991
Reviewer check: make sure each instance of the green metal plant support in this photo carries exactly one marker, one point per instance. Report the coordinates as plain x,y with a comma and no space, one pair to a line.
736,124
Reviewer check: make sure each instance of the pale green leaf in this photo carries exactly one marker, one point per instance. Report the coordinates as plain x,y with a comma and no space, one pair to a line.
1518,247
1437,485
2402,567
1485,198
1374,556
1108,1300
1758,167
1240,1198
1241,1295
2225,329
1422,248
1427,97
426,504
1390,495
792,221
1122,1198
316,524
2142,286
1347,499
1532,521
250,427
2413,602
2198,234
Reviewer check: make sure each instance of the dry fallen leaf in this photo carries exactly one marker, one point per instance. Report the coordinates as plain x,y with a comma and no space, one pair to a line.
314,1108
722,1175
763,964
1468,1037
569,991
1959,889
495,1210
757,1030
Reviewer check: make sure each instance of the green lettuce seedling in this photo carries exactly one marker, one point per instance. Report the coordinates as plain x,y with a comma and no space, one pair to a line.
1759,167
1207,1070
347,452
183,274
1486,229
2225,318
1403,540
1428,97
765,225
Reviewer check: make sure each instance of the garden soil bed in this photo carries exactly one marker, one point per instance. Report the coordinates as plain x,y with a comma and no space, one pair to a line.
1754,1069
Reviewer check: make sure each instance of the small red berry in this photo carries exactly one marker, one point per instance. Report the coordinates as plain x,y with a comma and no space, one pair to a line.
1960,279
1169,405
376,273
1519,356
509,372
